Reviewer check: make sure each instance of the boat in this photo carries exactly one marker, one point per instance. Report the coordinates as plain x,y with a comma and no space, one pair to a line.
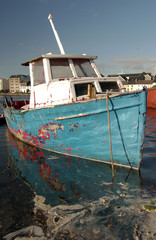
74,110
151,97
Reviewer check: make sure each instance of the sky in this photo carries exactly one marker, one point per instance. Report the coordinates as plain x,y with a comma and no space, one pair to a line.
121,33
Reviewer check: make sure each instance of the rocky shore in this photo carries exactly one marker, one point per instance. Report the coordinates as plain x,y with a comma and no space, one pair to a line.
77,222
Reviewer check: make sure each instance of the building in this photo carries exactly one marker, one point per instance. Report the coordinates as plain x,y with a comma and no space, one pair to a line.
26,89
25,85
4,85
15,83
137,81
18,81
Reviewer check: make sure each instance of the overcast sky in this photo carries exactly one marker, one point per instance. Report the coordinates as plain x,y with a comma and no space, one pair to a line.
122,33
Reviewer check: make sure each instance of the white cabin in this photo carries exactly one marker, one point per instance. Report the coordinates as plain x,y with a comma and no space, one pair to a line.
62,79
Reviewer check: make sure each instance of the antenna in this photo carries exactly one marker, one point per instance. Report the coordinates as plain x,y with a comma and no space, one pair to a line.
56,34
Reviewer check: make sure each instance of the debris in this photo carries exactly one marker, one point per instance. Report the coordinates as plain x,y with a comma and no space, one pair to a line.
34,231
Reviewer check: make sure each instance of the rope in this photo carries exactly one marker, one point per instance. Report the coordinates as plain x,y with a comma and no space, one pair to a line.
110,141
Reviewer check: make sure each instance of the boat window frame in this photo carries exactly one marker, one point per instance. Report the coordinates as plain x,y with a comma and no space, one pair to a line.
83,69
106,81
73,69
33,72
59,59
83,81
96,82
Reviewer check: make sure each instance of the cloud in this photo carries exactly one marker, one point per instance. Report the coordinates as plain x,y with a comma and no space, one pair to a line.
135,60
139,64
96,14
128,65
105,68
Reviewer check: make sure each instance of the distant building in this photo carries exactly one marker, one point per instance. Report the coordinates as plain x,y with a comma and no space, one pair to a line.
25,89
25,85
15,83
18,81
4,85
137,81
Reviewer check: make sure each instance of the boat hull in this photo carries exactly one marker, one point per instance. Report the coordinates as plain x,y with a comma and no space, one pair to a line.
82,129
151,97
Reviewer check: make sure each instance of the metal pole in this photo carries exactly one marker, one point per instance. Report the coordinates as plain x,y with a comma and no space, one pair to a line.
56,34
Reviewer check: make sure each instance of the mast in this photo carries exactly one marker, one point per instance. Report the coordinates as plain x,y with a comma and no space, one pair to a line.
56,34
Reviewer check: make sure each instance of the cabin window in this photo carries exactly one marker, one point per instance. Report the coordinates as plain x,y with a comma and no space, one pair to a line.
82,89
60,68
108,86
83,68
38,72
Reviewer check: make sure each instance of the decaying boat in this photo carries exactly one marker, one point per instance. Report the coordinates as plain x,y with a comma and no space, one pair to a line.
75,111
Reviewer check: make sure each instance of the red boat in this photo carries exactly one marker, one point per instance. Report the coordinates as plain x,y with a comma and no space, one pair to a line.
151,112
151,97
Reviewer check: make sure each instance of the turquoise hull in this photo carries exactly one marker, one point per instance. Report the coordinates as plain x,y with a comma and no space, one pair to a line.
81,129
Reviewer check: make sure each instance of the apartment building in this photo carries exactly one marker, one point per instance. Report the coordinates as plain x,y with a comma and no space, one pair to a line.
16,81
4,85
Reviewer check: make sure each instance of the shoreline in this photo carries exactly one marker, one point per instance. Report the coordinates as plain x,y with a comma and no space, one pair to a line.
14,94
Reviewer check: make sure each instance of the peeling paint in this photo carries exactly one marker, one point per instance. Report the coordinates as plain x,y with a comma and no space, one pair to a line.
73,126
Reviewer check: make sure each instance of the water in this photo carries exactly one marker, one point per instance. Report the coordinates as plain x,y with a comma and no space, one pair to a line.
102,208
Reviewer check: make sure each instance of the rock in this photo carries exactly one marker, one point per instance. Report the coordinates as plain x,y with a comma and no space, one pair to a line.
33,231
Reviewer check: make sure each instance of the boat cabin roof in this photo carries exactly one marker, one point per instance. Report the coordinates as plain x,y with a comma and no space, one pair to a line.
60,56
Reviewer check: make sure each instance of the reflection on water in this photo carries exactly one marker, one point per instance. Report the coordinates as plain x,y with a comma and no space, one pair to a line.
148,167
64,179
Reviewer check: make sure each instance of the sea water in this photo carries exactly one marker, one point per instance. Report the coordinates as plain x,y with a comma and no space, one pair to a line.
104,208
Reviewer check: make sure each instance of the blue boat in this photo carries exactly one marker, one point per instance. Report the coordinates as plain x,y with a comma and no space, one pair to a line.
76,111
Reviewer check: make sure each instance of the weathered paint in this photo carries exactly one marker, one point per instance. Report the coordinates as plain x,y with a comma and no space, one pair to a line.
87,134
